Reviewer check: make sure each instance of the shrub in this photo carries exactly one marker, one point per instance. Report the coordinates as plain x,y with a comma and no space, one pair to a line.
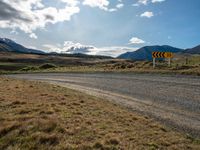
47,66
29,68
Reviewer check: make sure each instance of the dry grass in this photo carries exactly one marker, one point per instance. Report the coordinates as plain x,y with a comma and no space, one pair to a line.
22,63
36,115
135,67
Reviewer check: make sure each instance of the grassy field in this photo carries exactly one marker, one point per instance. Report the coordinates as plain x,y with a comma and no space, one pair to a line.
36,115
23,63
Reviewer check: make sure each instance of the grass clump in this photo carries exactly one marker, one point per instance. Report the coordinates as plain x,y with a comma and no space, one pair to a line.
38,68
48,139
8,128
47,66
113,141
29,68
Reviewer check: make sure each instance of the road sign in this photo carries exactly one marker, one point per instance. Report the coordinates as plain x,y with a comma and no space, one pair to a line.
162,54
155,55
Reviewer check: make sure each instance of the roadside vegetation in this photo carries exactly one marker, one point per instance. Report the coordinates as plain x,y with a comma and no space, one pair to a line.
25,63
37,68
36,115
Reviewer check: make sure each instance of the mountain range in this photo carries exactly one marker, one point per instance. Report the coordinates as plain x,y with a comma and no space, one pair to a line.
7,45
144,53
195,50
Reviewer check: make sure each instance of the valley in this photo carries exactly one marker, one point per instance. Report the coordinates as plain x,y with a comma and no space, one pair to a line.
99,75
15,58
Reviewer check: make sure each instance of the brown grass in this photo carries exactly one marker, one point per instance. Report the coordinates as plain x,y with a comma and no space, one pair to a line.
35,115
22,63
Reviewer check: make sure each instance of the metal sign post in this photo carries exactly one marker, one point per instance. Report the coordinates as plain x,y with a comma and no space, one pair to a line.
169,62
154,63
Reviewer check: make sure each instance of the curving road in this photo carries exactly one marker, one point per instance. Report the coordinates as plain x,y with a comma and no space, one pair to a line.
173,100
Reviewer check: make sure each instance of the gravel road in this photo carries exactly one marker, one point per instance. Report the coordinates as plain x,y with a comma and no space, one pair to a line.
174,100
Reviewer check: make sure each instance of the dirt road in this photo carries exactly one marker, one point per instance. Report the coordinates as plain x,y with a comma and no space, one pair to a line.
173,100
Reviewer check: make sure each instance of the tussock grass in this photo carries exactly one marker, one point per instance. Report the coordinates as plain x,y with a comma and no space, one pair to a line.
37,68
41,116
47,66
23,63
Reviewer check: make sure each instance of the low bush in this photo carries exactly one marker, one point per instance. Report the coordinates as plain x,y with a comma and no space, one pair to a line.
47,66
29,68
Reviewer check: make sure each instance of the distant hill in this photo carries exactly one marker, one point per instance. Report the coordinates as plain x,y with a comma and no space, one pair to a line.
195,50
7,45
80,55
145,53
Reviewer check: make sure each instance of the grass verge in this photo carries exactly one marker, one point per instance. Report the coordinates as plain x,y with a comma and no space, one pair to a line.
126,66
36,115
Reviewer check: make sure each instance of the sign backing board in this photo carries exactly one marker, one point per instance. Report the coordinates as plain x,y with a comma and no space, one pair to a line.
162,54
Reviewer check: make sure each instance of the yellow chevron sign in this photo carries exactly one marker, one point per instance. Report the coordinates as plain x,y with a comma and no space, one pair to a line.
162,54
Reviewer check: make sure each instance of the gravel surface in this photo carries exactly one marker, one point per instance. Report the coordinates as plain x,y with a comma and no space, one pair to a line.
173,100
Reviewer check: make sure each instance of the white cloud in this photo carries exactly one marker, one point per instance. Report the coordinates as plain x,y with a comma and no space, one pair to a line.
157,1
136,5
136,40
52,48
112,10
30,15
114,51
33,36
102,4
144,2
140,2
147,14
70,47
120,5
31,47
71,2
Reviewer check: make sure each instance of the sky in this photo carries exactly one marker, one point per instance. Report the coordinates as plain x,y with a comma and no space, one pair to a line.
100,27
